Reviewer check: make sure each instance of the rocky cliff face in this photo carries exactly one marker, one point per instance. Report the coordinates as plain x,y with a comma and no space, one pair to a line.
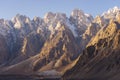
53,44
23,37
100,59
44,44
56,52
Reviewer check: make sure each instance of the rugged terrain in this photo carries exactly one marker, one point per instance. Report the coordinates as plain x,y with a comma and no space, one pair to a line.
100,59
79,46
48,44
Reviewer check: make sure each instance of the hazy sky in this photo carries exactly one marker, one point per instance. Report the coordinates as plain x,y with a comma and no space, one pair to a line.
31,8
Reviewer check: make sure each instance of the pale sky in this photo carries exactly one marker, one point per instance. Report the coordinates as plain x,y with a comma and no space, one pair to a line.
31,8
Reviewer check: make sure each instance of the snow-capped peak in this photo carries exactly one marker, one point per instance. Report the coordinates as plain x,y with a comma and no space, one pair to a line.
111,13
114,10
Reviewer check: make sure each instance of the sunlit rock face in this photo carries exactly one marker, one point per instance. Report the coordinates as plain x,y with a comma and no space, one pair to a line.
100,59
55,43
54,38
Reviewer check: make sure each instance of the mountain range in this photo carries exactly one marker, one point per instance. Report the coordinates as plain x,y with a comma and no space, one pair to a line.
75,47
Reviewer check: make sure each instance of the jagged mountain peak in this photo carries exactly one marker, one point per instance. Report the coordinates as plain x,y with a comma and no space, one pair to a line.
52,17
19,16
36,18
111,13
38,21
55,40
105,32
100,59
20,20
77,12
49,15
100,21
80,20
112,10
116,8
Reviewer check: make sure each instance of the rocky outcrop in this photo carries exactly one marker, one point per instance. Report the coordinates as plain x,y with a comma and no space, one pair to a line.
111,13
56,43
25,37
31,46
80,20
100,59
57,52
